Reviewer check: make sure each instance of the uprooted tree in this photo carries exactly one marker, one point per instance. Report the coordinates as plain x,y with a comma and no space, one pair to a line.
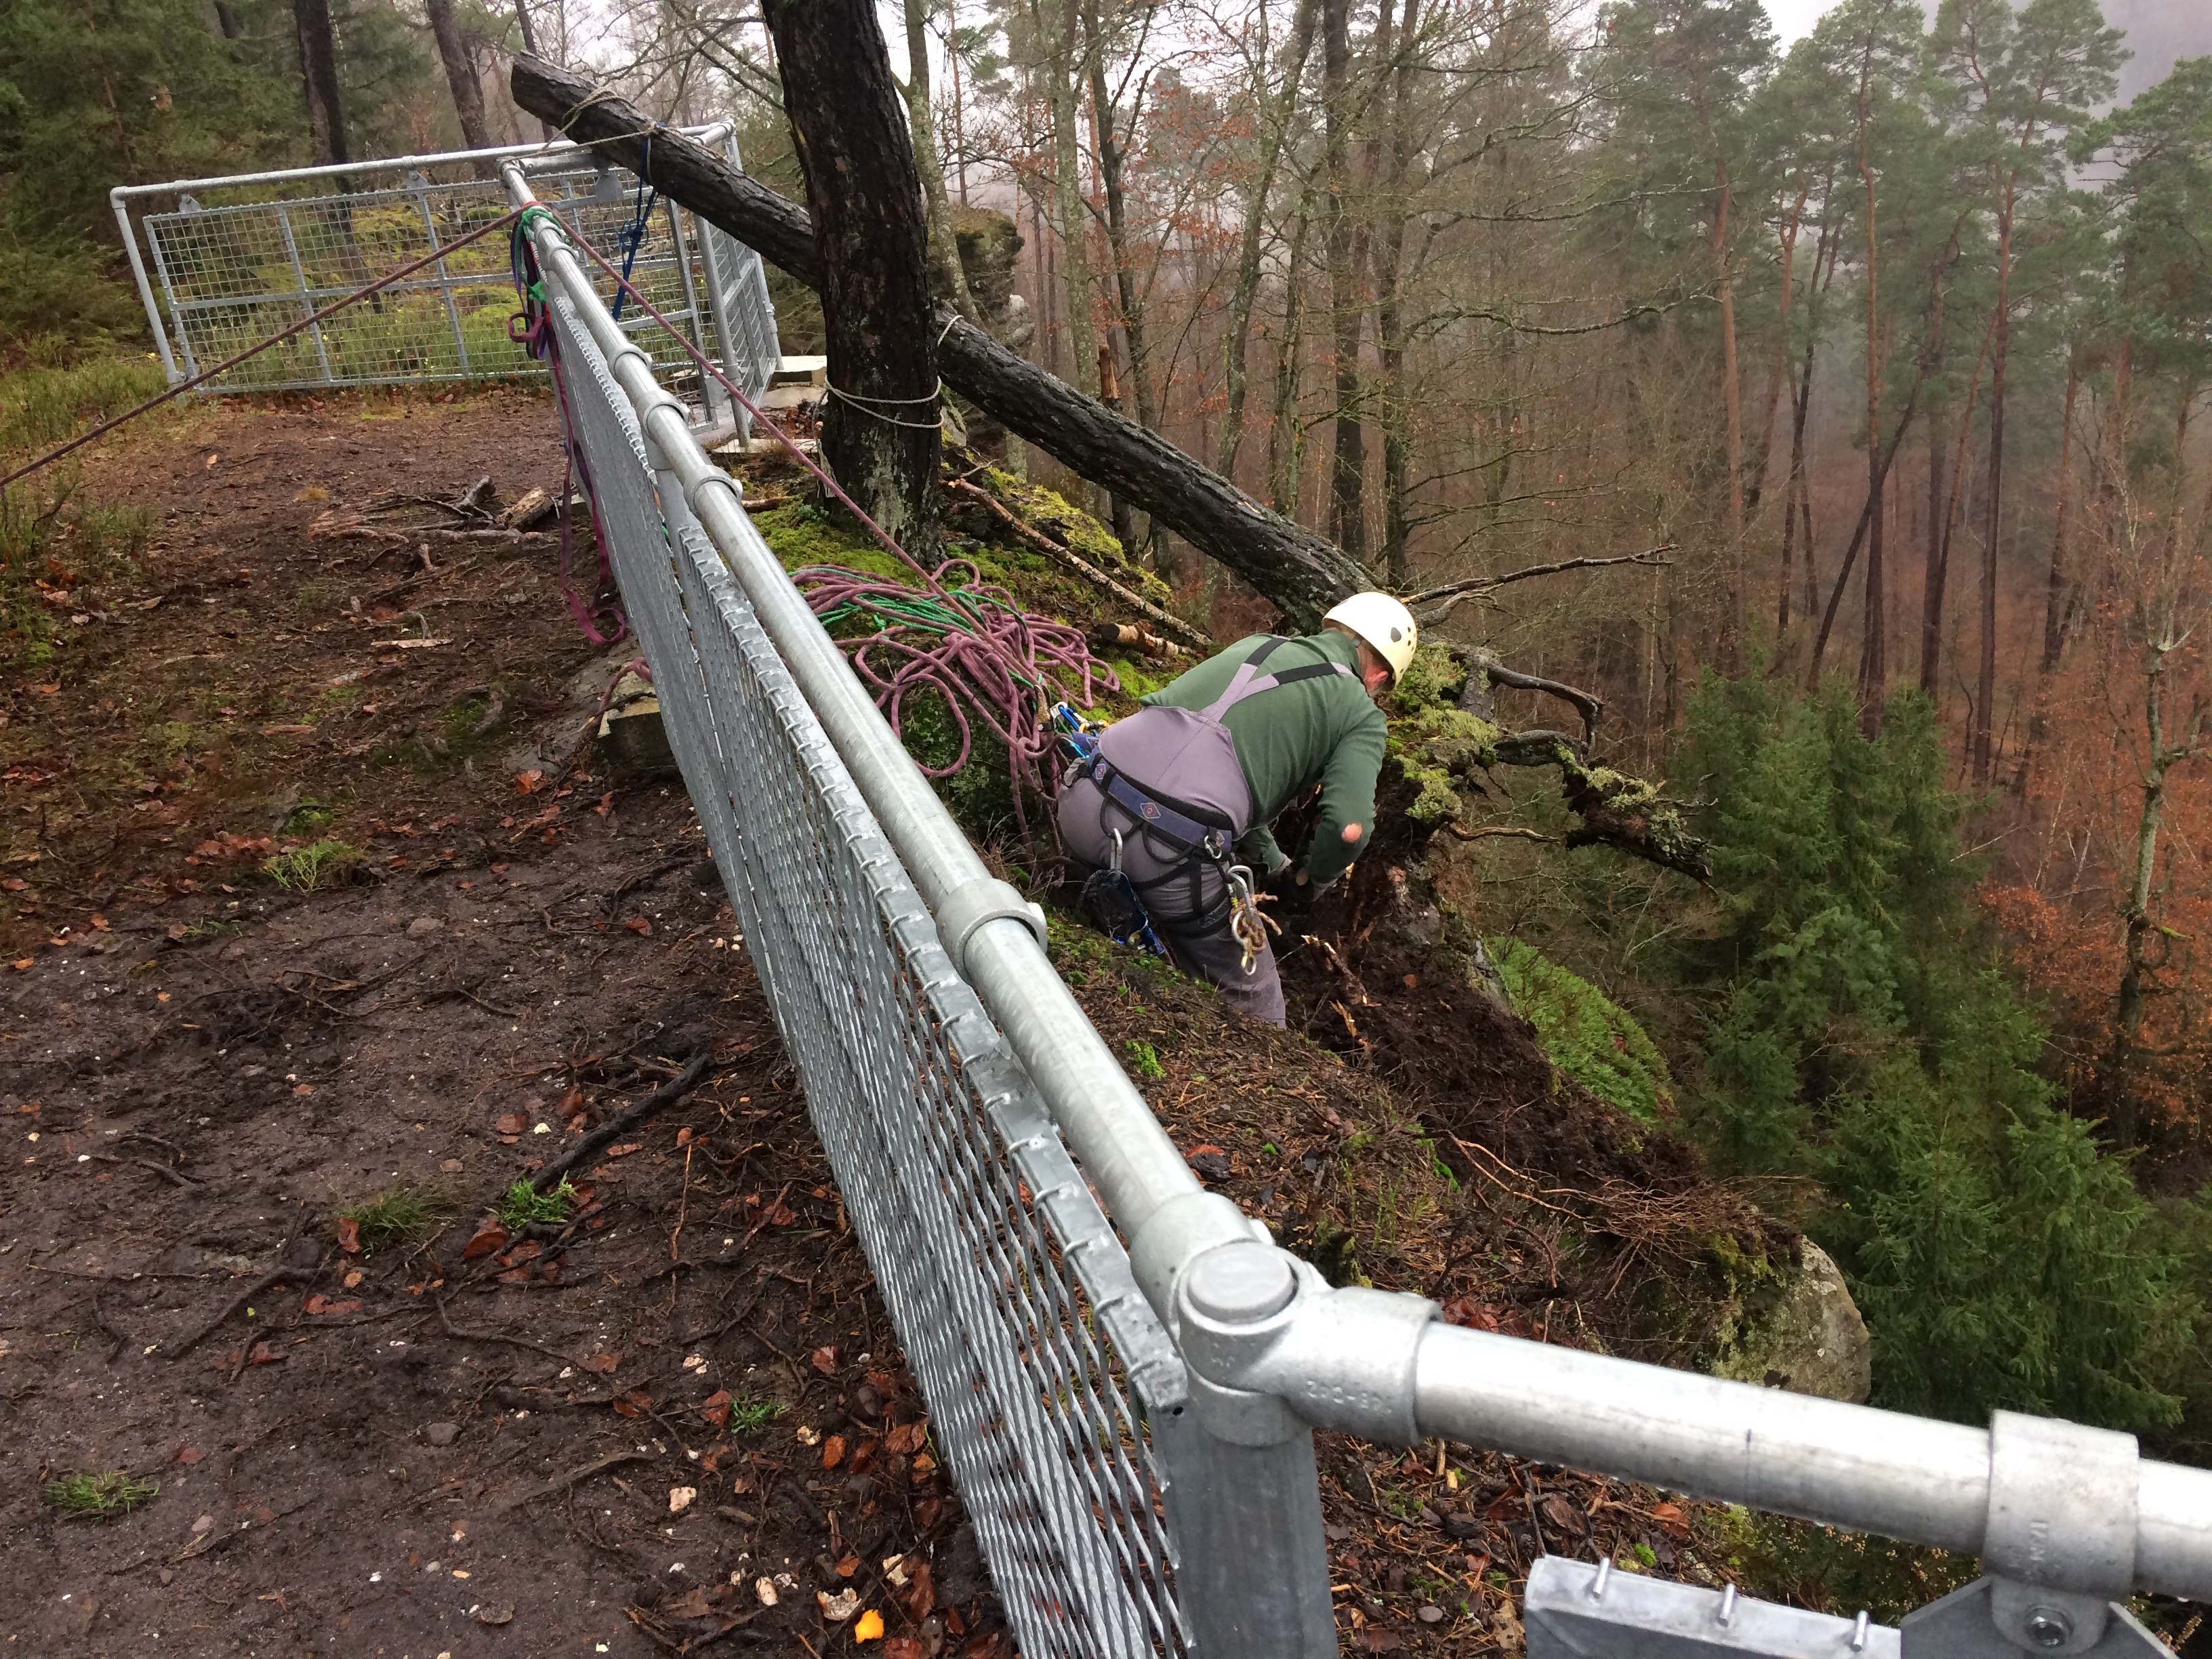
1298,571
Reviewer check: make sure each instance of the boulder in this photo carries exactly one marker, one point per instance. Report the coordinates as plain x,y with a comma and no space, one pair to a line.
1798,1330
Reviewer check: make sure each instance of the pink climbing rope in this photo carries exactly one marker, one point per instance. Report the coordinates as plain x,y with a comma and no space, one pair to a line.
987,653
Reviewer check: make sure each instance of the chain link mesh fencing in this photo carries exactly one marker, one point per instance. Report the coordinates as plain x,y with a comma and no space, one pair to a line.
257,256
1040,1360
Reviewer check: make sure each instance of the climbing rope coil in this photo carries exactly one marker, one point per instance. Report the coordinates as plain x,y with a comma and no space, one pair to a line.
967,641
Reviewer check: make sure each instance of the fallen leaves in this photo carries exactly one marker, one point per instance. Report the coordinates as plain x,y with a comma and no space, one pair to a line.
489,1235
1465,1310
636,1403
603,1363
349,1235
833,1451
839,1607
640,926
529,782
869,1627
319,1304
716,1410
906,1439
680,1498
825,1359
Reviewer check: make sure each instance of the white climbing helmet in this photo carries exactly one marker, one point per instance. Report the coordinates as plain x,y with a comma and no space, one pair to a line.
1384,623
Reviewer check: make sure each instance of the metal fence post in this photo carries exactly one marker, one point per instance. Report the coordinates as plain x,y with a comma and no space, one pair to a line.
145,287
300,275
1252,1573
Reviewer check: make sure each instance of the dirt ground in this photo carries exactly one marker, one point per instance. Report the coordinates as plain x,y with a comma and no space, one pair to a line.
394,1449
255,1130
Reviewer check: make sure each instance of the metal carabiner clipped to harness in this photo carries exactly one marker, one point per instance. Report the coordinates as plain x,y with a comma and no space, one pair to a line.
1247,923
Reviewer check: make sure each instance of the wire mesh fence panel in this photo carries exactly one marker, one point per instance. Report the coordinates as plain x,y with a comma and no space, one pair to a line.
1040,1360
228,273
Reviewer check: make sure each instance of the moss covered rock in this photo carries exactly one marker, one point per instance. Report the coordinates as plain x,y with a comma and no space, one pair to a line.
1796,1327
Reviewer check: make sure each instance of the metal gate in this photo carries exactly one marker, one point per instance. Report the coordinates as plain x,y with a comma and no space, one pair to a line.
222,263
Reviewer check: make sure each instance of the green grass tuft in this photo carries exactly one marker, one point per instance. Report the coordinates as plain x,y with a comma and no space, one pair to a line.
751,1416
523,1205
400,1216
96,1497
315,866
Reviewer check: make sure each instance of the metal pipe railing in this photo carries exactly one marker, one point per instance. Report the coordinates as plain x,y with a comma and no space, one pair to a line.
1248,1513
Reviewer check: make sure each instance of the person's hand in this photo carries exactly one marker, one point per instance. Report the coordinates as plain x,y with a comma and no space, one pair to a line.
1289,886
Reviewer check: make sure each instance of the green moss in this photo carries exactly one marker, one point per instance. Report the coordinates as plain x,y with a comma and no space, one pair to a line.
1433,679
1434,746
1587,1034
801,534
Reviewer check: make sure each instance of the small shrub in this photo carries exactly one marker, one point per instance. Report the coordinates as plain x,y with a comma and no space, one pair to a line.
311,868
97,1497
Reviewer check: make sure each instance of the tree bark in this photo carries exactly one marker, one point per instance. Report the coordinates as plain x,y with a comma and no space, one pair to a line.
1348,520
1064,72
460,74
1732,404
1873,669
1286,434
879,431
318,69
1297,570
1274,116
1389,313
1982,740
1934,576
949,282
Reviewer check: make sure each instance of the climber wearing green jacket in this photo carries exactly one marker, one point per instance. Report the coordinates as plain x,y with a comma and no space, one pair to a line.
1179,796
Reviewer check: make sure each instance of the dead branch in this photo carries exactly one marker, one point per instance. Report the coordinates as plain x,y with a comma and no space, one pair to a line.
1442,600
1082,567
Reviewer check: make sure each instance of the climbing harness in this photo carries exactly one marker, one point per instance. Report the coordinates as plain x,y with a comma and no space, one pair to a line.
1197,834
1109,897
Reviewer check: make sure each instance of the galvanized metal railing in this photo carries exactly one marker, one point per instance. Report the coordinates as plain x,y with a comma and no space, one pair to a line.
234,259
1133,1428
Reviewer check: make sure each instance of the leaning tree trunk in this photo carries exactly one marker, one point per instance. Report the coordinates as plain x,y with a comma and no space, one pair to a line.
460,74
1287,563
879,431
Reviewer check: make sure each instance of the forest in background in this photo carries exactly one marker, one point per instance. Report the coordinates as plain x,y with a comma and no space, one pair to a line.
1885,351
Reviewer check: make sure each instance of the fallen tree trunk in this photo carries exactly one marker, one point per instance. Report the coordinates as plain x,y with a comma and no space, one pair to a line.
1297,570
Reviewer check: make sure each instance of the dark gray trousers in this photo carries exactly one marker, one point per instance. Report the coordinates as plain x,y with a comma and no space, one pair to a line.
1193,759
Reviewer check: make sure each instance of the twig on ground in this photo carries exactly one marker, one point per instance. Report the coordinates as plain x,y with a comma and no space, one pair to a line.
466,1336
668,1094
274,1277
121,1339
560,1484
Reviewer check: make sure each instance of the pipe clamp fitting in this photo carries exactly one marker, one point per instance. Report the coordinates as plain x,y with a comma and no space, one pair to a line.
972,904
2060,1542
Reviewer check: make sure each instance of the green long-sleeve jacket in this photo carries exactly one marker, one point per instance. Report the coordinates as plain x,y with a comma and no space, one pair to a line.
1326,730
